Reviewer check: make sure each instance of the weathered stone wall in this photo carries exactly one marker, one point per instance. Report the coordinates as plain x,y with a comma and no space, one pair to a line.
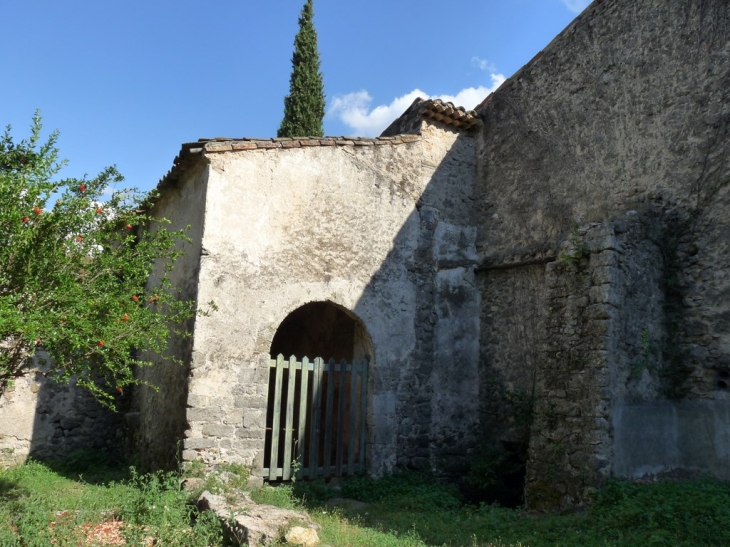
159,415
622,121
512,346
437,396
47,421
617,111
570,445
377,228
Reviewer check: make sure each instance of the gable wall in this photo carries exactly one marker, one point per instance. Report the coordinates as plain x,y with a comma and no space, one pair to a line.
363,227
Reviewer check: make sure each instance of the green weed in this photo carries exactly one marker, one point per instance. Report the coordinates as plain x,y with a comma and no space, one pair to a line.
40,506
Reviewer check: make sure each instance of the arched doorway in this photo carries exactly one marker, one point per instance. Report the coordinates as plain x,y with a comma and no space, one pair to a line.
316,417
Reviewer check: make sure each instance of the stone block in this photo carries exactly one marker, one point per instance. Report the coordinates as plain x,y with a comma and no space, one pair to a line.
253,374
604,258
249,401
218,430
197,401
596,328
254,418
600,311
208,414
189,455
603,274
198,443
250,433
604,294
249,444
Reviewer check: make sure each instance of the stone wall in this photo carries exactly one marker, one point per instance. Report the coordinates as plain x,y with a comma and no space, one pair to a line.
512,346
570,445
48,421
159,410
375,227
617,132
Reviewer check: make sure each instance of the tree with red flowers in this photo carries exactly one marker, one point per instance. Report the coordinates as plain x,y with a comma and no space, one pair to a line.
74,271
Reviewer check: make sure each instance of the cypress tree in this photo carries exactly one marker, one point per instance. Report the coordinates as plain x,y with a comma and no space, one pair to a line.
304,106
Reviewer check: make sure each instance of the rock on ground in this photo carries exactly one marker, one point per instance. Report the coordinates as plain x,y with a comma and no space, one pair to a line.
302,536
252,524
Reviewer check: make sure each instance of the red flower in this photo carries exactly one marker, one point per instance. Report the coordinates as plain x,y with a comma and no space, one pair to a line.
100,343
37,210
125,317
82,188
135,298
25,219
129,226
99,210
79,239
119,389
37,341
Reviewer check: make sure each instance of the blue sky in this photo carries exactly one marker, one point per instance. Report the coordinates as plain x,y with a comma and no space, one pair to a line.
127,82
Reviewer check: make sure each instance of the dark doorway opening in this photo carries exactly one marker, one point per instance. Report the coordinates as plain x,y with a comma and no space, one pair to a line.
321,329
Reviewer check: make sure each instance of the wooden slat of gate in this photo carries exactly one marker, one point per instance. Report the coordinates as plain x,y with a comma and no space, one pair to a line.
289,427
314,417
353,418
302,414
363,410
275,425
328,418
340,419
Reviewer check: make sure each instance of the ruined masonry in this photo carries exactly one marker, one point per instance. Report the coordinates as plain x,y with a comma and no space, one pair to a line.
548,274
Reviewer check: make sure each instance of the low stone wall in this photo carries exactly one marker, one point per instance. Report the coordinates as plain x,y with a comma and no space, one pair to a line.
46,421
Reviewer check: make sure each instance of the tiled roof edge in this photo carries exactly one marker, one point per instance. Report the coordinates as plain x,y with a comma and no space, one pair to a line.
432,110
190,152
449,114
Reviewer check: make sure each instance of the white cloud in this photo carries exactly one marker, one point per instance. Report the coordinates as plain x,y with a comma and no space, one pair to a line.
483,64
576,6
354,109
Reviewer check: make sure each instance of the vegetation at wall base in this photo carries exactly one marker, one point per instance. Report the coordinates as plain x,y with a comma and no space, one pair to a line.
55,504
304,106
75,262
415,508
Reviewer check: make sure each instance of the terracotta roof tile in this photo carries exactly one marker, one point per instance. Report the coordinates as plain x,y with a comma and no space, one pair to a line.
434,110
449,114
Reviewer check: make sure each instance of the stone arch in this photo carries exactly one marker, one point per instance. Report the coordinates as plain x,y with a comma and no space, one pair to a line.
323,329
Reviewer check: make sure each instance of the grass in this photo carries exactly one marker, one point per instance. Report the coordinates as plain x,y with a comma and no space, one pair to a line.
40,506
412,509
43,505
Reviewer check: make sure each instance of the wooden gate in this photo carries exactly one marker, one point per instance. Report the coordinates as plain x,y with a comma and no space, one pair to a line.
316,425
